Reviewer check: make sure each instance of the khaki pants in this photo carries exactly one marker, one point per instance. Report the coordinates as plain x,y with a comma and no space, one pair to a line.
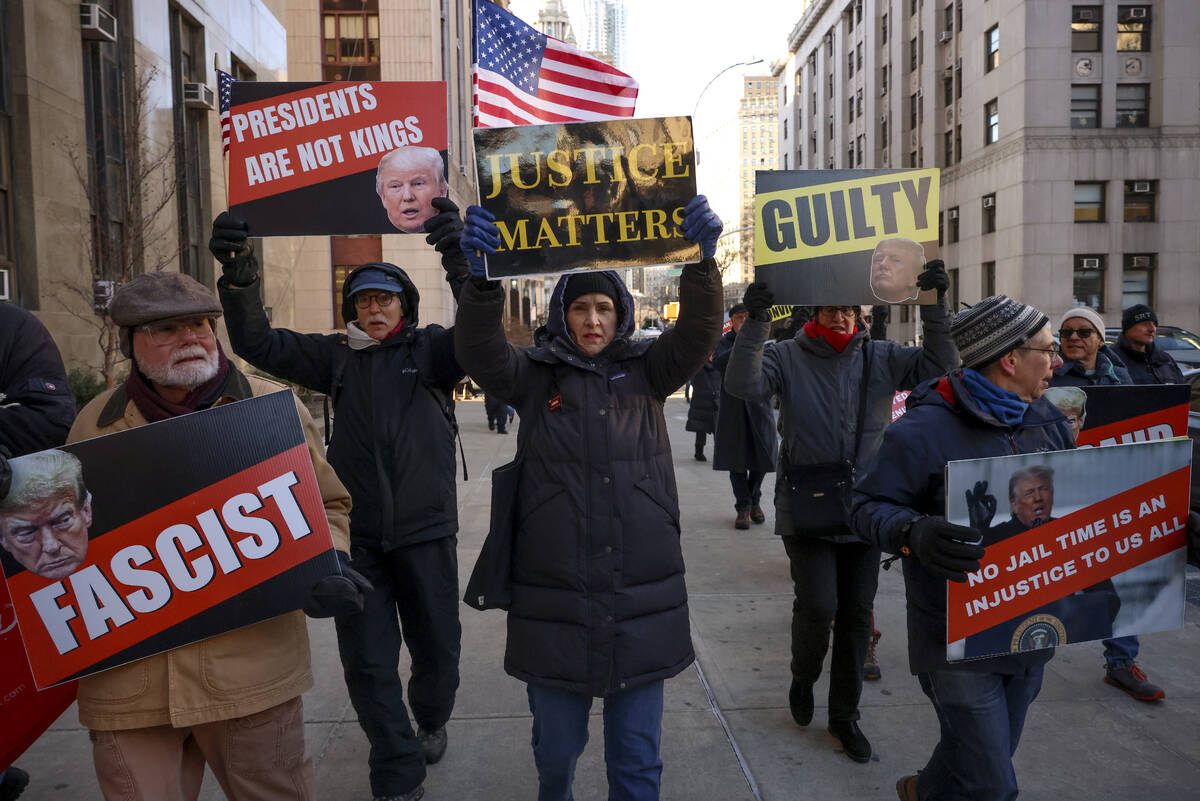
259,757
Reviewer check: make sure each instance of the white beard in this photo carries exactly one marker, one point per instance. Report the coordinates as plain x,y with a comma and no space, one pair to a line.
184,376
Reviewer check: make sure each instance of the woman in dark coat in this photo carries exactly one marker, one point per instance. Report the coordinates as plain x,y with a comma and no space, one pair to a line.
745,442
599,606
702,413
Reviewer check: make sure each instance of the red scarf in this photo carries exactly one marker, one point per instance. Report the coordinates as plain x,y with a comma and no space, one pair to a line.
155,407
836,339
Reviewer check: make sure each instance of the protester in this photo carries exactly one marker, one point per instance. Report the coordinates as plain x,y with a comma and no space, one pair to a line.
1147,363
703,405
36,414
231,701
497,413
45,517
990,407
1072,402
835,390
407,181
391,384
599,605
745,442
1087,359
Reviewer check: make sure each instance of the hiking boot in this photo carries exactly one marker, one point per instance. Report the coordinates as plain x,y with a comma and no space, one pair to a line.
411,795
743,520
433,744
854,742
1132,680
800,701
13,784
700,457
756,514
906,788
871,669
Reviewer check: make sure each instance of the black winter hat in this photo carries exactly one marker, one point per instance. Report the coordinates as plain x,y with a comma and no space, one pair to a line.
1138,313
737,308
580,284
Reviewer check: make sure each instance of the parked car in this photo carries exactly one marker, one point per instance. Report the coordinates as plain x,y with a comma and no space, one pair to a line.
1192,378
1182,343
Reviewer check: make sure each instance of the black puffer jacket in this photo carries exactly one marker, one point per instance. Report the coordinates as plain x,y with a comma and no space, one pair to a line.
599,602
393,441
706,394
746,439
1151,366
36,405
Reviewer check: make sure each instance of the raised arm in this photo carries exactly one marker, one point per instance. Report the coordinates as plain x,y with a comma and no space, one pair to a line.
937,356
747,375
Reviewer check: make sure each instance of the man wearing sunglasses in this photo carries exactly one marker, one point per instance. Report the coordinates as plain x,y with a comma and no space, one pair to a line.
391,384
1087,359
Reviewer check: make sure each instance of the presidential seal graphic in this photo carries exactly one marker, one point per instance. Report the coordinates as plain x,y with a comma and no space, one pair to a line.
1038,631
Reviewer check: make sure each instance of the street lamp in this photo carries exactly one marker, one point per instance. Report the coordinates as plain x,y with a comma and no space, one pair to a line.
696,107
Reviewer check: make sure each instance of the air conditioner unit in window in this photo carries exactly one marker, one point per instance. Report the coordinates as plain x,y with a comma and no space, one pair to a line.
882,91
1139,261
1086,13
989,202
4,293
945,36
1090,264
952,214
1137,13
96,23
1141,186
198,95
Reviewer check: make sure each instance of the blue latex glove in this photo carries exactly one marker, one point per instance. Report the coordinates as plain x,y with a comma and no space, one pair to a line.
479,236
702,226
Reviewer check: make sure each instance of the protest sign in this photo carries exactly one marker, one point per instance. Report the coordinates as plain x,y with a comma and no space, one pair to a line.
1090,544
304,158
163,535
587,195
1119,415
836,237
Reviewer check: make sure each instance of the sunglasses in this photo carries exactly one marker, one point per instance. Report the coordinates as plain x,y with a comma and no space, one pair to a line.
1082,333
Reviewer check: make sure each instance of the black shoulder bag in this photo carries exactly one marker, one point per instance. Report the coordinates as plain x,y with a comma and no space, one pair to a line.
820,493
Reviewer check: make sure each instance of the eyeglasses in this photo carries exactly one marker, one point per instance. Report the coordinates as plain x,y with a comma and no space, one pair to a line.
833,311
1082,333
172,332
383,299
1054,350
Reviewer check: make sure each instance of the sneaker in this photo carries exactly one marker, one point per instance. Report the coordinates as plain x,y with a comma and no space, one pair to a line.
854,742
13,784
871,669
756,514
906,788
800,701
1132,680
433,743
700,457
411,795
742,521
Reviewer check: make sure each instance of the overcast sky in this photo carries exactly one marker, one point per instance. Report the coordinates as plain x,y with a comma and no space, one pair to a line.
675,47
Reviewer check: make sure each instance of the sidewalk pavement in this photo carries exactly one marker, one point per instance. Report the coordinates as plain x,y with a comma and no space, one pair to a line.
727,731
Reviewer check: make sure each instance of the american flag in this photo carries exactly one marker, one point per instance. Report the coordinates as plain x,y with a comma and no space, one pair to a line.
523,77
224,94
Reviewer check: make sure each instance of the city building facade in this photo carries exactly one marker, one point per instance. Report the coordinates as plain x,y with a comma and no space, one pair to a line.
1067,135
758,130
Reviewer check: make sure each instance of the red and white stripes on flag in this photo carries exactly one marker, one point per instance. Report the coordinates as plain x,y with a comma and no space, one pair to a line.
521,76
224,96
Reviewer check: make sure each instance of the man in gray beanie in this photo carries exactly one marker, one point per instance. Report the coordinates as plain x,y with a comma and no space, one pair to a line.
231,701
992,406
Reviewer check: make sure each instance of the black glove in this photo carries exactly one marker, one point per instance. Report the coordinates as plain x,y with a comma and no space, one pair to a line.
758,300
5,472
945,549
881,314
445,227
338,594
980,506
229,246
934,276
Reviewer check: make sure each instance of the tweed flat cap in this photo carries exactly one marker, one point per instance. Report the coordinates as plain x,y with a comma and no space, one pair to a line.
160,296
993,327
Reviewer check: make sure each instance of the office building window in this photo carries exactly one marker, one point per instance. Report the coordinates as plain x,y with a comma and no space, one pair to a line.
912,158
988,279
1137,279
350,40
912,54
883,83
850,64
1085,28
858,103
991,122
849,109
1088,284
1133,28
914,6
957,143
1139,200
1089,202
941,228
913,105
952,226
952,274
948,148
883,29
191,148
948,18
1133,105
1085,106
858,151
858,54
991,48
883,134
829,83
948,91
989,213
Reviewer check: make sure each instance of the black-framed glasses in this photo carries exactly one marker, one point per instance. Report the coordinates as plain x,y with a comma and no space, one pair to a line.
172,332
1054,350
845,311
1082,333
384,299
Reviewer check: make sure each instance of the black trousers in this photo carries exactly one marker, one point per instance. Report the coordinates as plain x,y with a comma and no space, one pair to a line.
832,582
747,488
418,583
701,438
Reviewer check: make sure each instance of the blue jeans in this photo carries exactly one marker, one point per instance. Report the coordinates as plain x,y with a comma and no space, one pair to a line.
1120,652
632,735
981,717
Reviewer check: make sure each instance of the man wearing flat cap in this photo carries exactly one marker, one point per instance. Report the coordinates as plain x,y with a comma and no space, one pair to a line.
391,384
231,701
992,406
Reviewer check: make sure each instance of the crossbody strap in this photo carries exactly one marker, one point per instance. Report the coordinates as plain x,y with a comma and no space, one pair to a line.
862,401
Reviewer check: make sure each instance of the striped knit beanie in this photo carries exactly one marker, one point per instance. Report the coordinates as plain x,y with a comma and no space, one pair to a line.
993,327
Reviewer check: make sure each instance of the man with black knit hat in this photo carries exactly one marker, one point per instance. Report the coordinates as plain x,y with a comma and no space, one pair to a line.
1147,363
231,702
392,387
992,406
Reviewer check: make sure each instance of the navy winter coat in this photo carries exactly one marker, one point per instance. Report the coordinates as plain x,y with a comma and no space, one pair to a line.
393,437
746,438
36,405
1110,371
706,394
943,423
599,602
1151,366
